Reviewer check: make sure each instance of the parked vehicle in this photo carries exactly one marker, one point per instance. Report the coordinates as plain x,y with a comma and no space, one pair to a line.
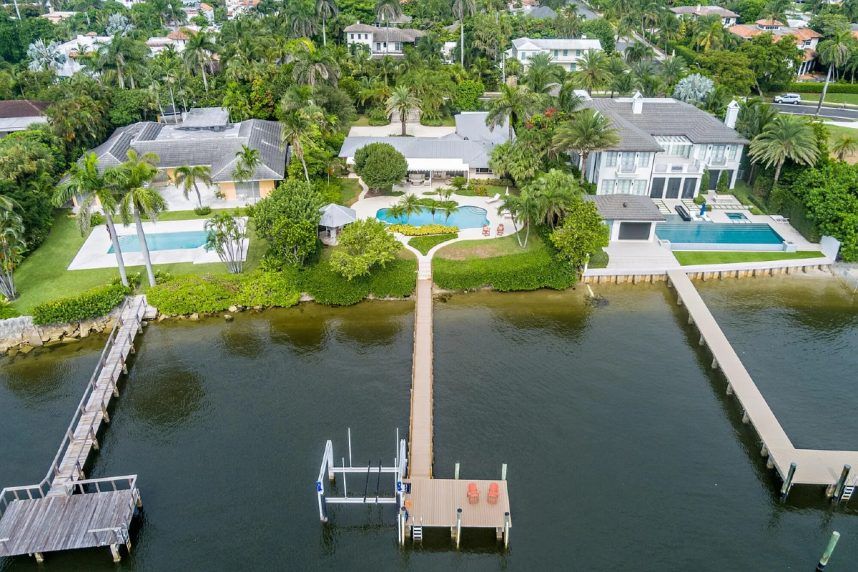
792,98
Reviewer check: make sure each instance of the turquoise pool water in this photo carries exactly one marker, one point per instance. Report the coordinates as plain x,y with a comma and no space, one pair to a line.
463,217
715,233
737,216
163,241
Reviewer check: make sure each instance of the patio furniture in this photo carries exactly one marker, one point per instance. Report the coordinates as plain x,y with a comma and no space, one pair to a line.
416,178
683,213
500,229
494,199
779,219
487,231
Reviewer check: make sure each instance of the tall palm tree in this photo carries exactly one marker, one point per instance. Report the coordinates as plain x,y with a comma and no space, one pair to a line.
247,159
514,104
326,9
313,66
132,179
785,137
585,133
462,8
844,146
673,69
118,55
524,209
300,18
402,100
294,126
87,184
188,176
833,52
541,73
592,70
198,54
386,10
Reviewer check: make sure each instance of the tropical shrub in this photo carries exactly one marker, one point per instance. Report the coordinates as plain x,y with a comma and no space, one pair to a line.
362,245
378,116
288,219
582,234
208,294
694,88
521,271
380,165
816,87
411,230
326,286
467,95
92,303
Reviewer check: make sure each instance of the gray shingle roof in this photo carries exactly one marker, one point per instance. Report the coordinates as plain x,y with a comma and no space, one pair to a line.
206,117
662,116
541,13
626,207
474,153
386,34
471,126
176,147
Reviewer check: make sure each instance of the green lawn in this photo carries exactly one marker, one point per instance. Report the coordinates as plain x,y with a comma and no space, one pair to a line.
692,258
445,121
467,249
851,98
44,276
350,189
742,191
425,243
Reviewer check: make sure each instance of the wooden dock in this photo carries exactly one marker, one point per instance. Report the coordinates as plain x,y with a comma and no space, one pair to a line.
431,502
809,467
65,511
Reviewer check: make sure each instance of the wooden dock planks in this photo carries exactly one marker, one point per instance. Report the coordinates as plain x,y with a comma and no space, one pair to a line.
434,503
421,433
813,467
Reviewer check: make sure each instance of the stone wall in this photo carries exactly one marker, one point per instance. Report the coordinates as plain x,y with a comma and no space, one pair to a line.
20,335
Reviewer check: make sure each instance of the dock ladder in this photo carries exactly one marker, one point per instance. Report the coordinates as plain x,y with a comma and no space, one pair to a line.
847,493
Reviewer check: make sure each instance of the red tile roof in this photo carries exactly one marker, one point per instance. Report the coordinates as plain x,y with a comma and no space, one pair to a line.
22,108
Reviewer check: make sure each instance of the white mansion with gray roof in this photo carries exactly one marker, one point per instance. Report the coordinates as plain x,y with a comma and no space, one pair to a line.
665,146
465,152
381,41
565,52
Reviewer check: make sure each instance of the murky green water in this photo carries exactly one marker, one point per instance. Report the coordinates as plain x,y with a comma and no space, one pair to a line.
623,452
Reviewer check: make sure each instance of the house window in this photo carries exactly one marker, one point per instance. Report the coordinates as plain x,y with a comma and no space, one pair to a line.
611,159
378,46
627,162
577,53
608,186
643,159
572,67
555,53
484,171
639,187
565,53
657,190
623,186
731,151
718,154
247,191
351,36
397,46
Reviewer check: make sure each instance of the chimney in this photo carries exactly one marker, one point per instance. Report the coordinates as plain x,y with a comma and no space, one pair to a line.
637,103
731,115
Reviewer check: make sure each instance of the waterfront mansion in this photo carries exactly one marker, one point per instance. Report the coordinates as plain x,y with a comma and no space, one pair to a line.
665,146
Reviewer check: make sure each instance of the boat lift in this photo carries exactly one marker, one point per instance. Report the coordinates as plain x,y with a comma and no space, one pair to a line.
330,470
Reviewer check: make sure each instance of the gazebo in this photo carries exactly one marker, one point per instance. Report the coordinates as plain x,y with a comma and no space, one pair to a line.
334,218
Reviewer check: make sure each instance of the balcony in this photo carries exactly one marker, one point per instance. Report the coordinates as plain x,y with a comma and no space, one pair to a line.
679,166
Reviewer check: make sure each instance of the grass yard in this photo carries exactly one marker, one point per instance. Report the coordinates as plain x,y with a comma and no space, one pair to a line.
742,191
850,98
44,276
349,191
467,249
449,121
692,258
425,243
835,132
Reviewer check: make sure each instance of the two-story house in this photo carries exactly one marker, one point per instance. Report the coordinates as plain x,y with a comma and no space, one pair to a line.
728,17
665,146
563,51
381,41
805,39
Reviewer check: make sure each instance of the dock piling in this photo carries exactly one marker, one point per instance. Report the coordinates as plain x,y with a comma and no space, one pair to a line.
114,550
788,482
456,471
841,482
503,472
458,527
829,550
506,530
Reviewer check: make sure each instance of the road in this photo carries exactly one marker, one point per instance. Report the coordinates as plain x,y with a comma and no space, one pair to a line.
829,112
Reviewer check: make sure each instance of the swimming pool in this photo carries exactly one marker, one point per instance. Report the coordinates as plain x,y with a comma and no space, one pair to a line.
719,236
738,217
463,217
185,240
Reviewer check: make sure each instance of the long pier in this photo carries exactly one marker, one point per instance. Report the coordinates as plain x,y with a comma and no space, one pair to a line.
441,503
65,511
831,469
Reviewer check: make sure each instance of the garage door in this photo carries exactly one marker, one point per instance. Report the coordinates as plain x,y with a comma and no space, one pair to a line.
634,230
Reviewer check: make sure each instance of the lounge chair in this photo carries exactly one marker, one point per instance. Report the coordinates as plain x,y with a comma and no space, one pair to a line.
487,230
500,229
779,218
494,199
683,213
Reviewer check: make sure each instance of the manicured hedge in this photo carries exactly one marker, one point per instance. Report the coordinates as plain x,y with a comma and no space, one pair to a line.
208,294
523,271
90,304
816,87
395,280
425,230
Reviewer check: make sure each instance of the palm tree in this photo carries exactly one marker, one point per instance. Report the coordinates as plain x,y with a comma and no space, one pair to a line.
402,101
300,18
119,54
132,179
514,104
844,146
462,8
198,54
785,137
541,73
410,205
326,9
833,52
296,124
12,247
592,70
311,66
673,69
247,159
87,184
710,37
387,10
585,133
521,208
188,176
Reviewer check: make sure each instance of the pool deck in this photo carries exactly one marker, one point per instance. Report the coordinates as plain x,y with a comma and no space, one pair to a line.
813,467
94,252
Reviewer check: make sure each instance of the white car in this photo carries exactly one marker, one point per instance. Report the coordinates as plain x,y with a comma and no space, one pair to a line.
793,98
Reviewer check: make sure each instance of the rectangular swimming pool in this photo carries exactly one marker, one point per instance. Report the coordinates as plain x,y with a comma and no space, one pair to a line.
738,217
163,241
719,236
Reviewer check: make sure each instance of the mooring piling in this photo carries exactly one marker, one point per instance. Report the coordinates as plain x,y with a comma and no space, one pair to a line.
829,550
788,482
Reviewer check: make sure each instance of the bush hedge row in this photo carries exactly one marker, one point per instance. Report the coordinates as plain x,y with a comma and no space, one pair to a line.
208,294
90,304
816,87
425,230
521,271
395,280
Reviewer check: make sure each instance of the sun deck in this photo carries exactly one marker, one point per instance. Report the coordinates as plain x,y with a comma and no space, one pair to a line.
434,503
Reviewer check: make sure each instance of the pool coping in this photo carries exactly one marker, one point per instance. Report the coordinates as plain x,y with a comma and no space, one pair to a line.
94,252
